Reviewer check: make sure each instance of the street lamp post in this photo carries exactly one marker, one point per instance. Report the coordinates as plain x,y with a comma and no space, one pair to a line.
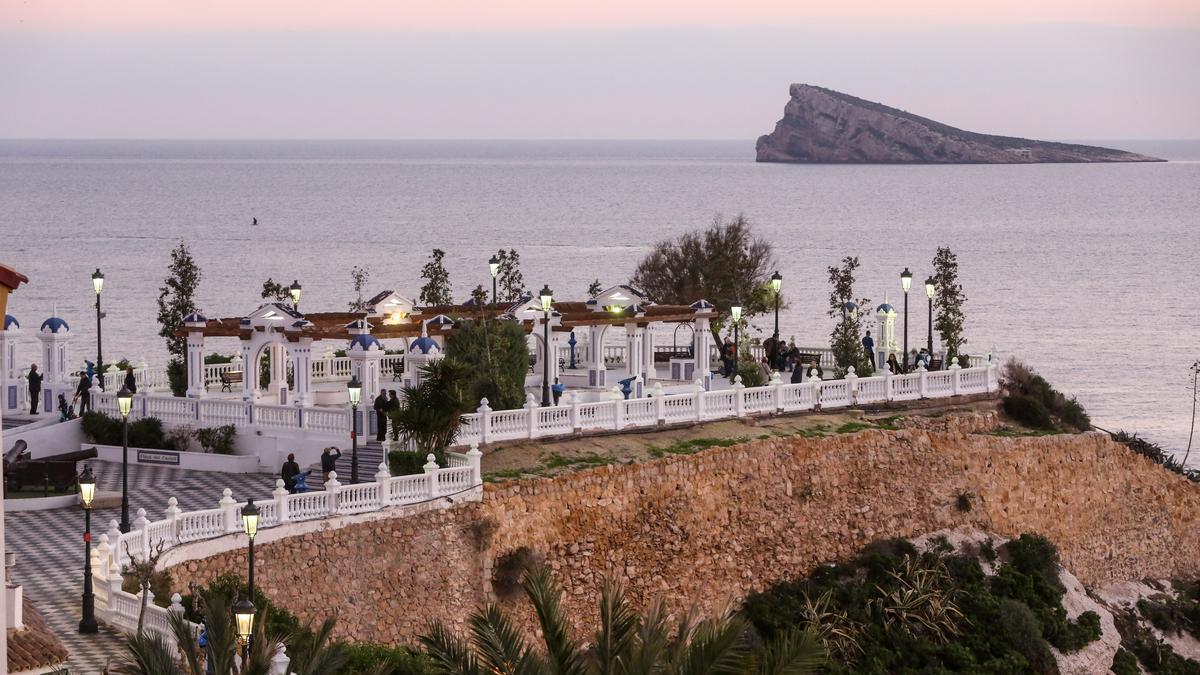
494,267
905,283
250,525
243,617
124,403
354,389
930,287
735,313
98,285
87,492
294,291
776,285
547,297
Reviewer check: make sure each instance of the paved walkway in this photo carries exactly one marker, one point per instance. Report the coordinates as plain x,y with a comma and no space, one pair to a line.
49,544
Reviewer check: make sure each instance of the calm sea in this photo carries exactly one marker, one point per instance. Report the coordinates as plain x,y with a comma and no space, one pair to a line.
1089,272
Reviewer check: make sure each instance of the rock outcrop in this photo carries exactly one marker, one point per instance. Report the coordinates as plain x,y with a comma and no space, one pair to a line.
824,126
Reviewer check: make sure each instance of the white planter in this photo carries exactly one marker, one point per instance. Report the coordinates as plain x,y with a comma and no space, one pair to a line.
192,461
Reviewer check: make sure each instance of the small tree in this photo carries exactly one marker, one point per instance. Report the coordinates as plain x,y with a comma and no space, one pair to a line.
275,291
436,290
509,277
479,296
145,573
594,289
360,276
949,302
496,352
846,339
720,264
177,299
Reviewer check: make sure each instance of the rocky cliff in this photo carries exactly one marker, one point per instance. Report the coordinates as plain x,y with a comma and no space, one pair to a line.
824,126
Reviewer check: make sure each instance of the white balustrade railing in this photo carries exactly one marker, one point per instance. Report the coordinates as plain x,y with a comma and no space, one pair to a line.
115,549
572,416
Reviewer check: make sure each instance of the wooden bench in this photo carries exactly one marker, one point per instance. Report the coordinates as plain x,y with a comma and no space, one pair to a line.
935,364
230,378
397,371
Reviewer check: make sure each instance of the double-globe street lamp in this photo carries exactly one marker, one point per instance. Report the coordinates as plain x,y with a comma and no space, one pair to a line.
98,285
547,298
735,313
930,288
354,390
494,268
124,405
87,492
776,285
905,283
250,514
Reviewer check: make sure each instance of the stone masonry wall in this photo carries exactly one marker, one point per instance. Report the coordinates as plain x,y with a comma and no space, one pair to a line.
705,530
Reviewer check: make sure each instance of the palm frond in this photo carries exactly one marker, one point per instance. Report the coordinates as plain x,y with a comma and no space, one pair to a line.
651,644
146,654
796,652
222,637
499,645
323,655
450,654
717,647
185,640
617,631
563,653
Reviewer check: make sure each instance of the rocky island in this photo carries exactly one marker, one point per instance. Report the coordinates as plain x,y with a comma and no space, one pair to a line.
824,126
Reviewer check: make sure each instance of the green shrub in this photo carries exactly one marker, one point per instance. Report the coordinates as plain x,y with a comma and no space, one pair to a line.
1125,663
146,432
750,370
497,353
1028,410
1020,630
367,657
217,439
213,359
404,463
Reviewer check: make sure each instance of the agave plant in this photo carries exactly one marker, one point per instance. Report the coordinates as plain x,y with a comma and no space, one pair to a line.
920,603
835,629
625,643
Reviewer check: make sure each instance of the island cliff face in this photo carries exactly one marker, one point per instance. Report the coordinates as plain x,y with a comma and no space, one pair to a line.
824,126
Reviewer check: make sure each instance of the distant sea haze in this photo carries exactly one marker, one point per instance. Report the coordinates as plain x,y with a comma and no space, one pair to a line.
1088,272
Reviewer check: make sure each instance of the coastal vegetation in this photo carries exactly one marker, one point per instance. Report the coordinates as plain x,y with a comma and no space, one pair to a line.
177,299
948,302
626,640
895,609
359,276
437,290
148,432
723,264
510,282
497,357
1155,453
1030,400
846,338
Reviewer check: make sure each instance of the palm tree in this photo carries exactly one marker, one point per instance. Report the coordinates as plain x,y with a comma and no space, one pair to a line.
148,654
432,411
625,642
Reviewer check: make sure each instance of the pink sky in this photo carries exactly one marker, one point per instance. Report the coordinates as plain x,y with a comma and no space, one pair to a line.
189,15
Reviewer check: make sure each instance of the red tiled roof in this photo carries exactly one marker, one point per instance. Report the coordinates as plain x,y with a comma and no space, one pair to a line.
12,278
36,646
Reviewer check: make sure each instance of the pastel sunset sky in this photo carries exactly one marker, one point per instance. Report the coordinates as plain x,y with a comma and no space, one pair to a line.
1059,69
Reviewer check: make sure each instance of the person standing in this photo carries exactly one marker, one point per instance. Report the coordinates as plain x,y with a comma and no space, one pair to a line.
329,461
869,346
35,388
130,380
83,392
288,473
381,408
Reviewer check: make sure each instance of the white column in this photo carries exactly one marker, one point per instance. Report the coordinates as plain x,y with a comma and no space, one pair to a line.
278,383
597,376
648,370
249,371
195,364
10,371
701,345
633,350
301,357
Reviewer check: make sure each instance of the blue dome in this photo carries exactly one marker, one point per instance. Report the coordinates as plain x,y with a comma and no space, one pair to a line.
365,342
54,325
424,345
10,321
885,307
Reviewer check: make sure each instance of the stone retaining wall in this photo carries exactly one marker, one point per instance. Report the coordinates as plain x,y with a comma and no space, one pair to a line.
704,530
